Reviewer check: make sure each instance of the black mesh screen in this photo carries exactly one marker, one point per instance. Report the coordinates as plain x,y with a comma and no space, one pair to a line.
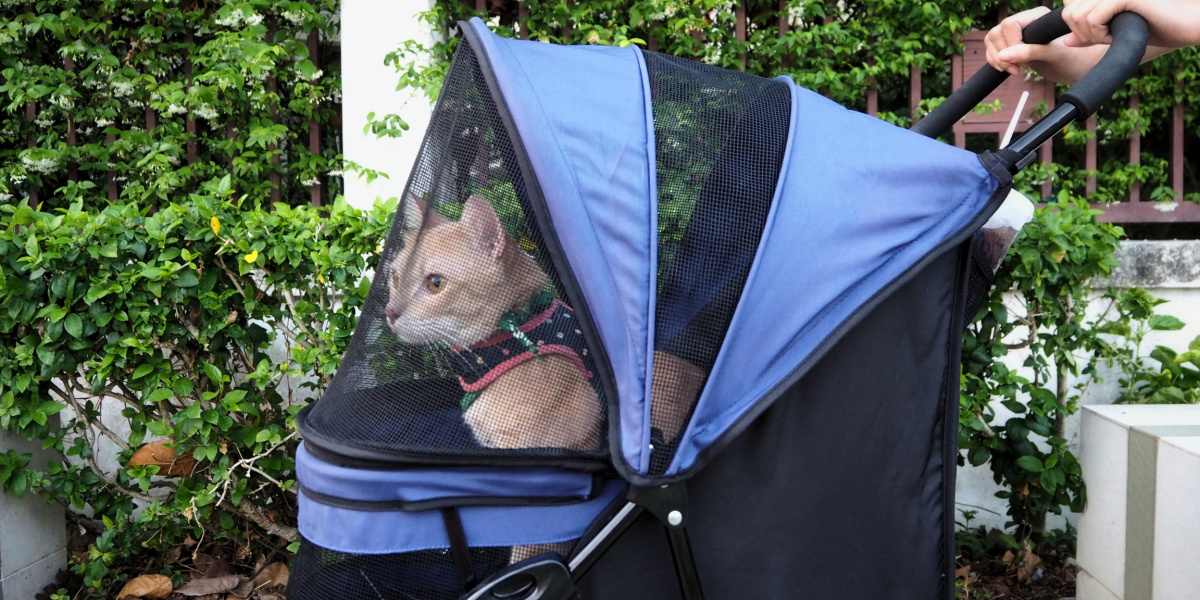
321,574
467,345
719,141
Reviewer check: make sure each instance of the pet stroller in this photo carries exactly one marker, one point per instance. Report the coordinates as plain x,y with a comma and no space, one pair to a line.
628,294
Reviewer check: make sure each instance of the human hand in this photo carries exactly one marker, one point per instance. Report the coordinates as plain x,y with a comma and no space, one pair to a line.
1055,61
1173,24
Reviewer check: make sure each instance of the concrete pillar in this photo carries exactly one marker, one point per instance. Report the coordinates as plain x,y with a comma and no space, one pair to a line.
1137,536
33,534
370,30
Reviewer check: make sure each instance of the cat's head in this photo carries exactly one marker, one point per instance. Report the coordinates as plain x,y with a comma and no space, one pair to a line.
452,281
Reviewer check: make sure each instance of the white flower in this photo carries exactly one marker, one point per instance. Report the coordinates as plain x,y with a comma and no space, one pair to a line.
293,17
122,88
207,112
239,17
310,182
175,109
40,165
231,20
103,122
5,197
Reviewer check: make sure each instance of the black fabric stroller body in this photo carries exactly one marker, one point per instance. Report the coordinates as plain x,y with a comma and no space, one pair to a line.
627,294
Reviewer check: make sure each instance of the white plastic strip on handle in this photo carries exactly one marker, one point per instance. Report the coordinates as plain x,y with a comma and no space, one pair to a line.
1012,123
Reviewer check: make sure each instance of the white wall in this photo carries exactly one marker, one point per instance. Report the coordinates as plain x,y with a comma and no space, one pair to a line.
370,30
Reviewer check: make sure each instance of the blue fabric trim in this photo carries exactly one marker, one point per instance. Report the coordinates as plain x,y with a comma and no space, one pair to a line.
639,456
425,484
389,532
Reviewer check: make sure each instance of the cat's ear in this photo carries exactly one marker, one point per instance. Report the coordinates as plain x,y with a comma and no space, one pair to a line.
481,220
416,211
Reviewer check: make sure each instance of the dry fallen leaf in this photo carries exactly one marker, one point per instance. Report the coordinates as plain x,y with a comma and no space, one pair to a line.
153,587
211,566
209,585
1029,565
242,592
161,454
274,574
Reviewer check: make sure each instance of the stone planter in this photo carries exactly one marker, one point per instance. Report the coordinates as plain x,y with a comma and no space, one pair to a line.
1139,537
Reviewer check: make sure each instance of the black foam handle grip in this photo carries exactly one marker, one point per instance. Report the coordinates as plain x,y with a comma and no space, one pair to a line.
1130,35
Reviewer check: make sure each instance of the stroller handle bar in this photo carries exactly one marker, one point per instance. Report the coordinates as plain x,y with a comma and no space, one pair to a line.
1130,35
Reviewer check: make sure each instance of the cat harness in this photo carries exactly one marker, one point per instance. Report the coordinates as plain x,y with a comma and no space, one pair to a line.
551,330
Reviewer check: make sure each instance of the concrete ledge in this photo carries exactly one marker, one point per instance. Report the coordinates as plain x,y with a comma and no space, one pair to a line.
28,582
1138,535
1155,264
33,535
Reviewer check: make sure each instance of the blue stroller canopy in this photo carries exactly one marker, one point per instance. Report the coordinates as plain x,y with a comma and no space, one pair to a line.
856,205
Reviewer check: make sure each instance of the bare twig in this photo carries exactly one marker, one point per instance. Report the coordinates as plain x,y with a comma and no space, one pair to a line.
253,513
69,396
291,302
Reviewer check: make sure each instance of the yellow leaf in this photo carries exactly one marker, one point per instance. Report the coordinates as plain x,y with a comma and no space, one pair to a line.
253,256
216,225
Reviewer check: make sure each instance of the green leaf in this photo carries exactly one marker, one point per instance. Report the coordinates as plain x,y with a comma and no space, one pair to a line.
212,373
1030,463
74,325
1165,323
187,279
142,370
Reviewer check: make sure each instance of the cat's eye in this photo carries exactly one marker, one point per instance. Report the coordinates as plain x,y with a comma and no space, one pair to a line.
434,283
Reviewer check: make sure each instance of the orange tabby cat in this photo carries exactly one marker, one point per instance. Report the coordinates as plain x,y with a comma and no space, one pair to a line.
453,282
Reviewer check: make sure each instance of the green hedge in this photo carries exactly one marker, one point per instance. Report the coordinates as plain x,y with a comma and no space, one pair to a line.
208,323
158,249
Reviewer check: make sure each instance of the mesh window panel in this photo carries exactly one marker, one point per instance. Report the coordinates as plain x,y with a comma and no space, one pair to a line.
719,141
467,345
321,574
